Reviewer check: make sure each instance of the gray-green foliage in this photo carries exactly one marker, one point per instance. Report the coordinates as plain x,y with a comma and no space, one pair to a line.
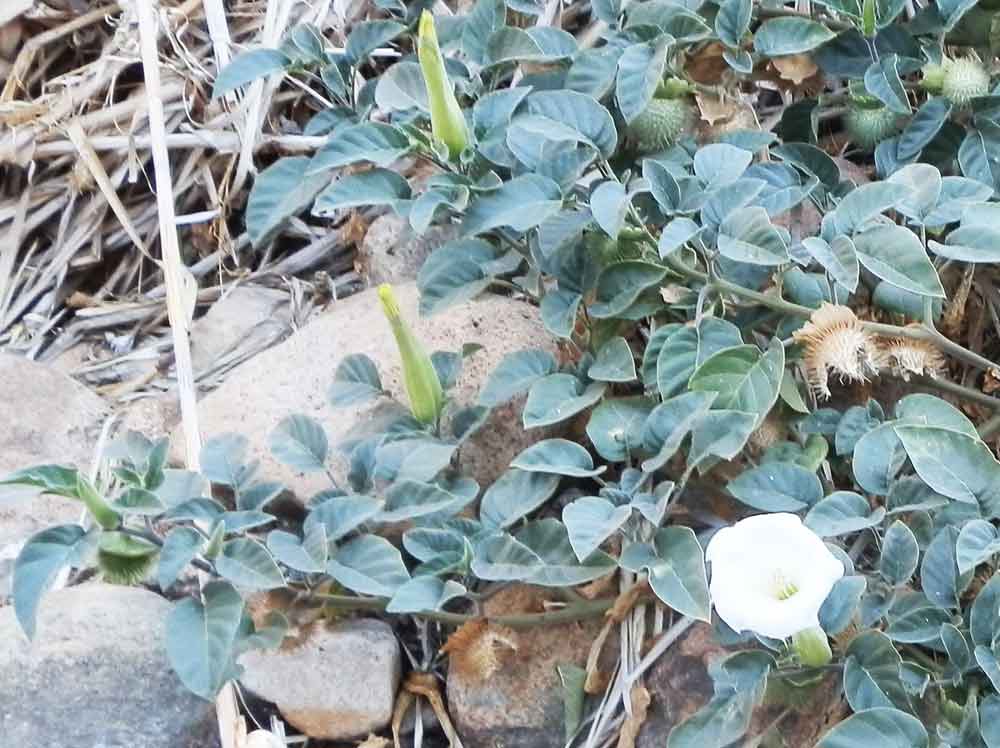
675,286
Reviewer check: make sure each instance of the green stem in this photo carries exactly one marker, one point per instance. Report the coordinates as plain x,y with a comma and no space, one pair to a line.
577,611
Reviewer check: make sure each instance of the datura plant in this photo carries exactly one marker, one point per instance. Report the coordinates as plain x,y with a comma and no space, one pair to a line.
773,407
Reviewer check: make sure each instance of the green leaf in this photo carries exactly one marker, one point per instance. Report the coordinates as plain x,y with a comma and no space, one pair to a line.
498,556
884,727
842,513
180,547
838,258
281,191
810,159
688,348
590,520
536,44
878,457
609,204
732,22
676,565
515,494
559,457
424,594
201,638
954,464
864,203
882,81
300,442
669,423
549,540
581,112
402,88
913,619
51,479
720,164
837,611
616,425
746,379
984,617
720,433
663,185
895,255
923,127
341,515
747,235
900,553
369,565
371,141
248,67
620,285
247,563
514,375
355,381
977,542
969,244
871,673
419,458
368,188
939,575
790,36
990,713
522,203
614,362
640,71
557,397
138,501
573,679
367,36
308,555
35,568
409,499
559,310
777,487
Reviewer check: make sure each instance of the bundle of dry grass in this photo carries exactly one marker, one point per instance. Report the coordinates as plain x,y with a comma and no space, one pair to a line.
79,260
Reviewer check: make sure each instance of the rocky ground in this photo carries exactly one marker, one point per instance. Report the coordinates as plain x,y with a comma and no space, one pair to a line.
333,682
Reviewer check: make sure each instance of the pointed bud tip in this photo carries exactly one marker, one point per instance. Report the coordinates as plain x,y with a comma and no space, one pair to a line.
389,304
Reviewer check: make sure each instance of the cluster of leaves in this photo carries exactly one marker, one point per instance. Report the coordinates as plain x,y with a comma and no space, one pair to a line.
675,282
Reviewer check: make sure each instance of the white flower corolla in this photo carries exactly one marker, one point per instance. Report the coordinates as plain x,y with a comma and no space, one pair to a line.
770,575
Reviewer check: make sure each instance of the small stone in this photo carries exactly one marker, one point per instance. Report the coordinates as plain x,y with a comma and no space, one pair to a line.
392,252
520,705
97,675
295,376
335,682
680,685
48,418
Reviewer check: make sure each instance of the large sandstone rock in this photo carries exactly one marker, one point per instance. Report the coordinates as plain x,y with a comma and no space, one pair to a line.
294,377
520,704
335,683
679,685
392,252
97,676
47,417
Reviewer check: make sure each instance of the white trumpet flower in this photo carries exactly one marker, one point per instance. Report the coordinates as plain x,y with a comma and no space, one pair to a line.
770,575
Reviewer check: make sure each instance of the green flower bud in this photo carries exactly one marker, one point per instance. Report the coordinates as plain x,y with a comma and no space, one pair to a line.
812,647
103,514
423,388
447,122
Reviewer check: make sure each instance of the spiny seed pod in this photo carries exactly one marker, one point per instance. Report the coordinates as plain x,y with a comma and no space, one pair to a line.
869,125
124,559
660,125
423,388
933,77
964,80
447,121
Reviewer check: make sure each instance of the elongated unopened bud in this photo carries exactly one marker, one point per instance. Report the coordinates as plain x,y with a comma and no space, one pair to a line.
423,388
99,509
447,121
812,647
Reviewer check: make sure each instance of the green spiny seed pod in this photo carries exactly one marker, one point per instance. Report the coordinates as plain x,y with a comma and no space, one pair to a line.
869,124
447,121
933,77
423,387
660,125
964,80
124,559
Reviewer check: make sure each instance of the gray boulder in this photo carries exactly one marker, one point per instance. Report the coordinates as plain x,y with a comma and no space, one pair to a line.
97,676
